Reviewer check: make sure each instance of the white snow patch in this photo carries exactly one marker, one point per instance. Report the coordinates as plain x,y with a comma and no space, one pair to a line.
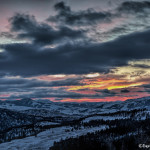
45,140
104,118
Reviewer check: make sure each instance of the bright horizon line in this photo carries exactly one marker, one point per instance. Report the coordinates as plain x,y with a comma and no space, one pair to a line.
78,101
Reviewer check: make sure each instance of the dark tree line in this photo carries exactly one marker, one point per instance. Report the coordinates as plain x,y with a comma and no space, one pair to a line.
121,135
21,125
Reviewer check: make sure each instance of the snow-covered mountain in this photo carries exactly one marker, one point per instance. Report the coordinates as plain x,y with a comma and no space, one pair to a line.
26,117
48,108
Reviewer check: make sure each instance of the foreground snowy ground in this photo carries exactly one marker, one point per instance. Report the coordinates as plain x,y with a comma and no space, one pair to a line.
104,118
45,139
17,113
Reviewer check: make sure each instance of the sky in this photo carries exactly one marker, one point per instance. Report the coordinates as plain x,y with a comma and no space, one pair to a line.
74,51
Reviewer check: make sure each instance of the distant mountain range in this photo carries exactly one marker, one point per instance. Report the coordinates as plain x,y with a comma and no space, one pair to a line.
73,109
27,117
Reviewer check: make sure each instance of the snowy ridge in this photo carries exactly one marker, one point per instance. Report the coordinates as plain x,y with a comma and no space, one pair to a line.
38,123
74,109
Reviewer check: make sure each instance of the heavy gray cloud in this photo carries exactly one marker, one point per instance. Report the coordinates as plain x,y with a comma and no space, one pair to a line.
90,16
86,17
7,84
124,91
27,27
134,6
34,88
31,59
71,54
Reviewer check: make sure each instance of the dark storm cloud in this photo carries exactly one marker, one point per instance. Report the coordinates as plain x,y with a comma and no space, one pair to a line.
124,91
55,93
30,59
11,84
90,16
106,92
146,88
27,27
75,58
141,66
86,17
32,88
37,89
134,6
58,83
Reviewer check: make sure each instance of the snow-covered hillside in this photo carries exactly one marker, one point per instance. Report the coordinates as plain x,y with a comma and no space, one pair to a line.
45,139
49,108
36,124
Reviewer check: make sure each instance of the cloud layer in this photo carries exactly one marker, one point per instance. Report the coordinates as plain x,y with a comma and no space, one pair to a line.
32,59
86,17
110,42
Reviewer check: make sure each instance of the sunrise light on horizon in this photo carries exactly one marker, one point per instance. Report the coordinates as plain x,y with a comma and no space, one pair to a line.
75,51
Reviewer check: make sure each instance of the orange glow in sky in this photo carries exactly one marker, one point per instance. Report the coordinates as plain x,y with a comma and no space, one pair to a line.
109,84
